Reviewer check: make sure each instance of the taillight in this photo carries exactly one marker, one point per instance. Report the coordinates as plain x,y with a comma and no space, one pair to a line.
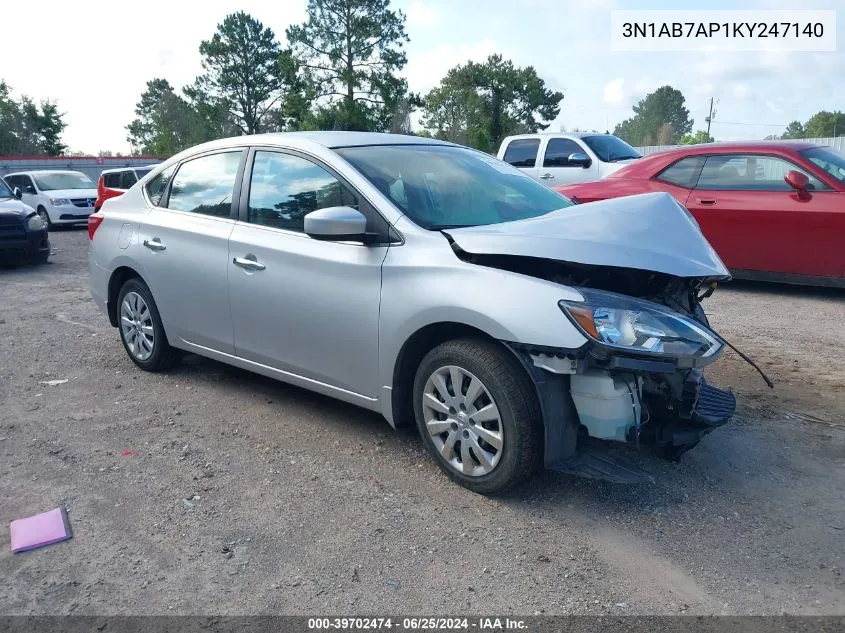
94,222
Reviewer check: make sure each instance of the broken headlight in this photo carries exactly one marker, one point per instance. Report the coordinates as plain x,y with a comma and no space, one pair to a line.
640,326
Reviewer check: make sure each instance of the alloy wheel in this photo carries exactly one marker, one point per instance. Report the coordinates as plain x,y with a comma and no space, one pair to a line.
136,326
463,421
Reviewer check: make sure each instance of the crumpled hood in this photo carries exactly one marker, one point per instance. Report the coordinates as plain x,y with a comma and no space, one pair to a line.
650,231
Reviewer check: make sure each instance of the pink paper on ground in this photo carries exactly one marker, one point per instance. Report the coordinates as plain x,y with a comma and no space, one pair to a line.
42,529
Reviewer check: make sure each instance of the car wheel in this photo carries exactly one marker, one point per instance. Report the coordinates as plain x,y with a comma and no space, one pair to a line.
141,330
478,414
42,212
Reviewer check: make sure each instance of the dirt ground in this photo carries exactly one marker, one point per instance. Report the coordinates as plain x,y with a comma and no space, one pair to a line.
209,490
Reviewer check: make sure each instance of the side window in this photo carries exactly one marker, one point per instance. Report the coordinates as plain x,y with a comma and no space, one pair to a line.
284,188
205,185
750,173
112,181
522,152
27,186
558,151
127,179
13,181
157,186
683,173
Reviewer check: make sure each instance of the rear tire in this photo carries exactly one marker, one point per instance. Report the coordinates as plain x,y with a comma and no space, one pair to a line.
457,425
141,330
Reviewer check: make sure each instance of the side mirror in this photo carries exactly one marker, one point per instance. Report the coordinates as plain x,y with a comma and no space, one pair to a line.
580,158
17,193
797,181
336,224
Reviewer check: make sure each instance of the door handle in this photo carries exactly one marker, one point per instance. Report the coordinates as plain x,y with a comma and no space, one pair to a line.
707,201
154,244
546,176
248,264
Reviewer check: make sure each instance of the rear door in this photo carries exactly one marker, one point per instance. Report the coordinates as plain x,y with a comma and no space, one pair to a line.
522,154
556,169
757,222
185,248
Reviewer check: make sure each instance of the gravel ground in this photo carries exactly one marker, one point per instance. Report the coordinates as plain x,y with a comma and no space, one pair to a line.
209,490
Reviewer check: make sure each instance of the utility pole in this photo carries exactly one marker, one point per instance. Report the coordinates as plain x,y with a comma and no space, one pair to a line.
709,118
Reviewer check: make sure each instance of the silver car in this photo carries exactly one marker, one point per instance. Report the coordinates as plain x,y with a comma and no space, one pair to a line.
431,283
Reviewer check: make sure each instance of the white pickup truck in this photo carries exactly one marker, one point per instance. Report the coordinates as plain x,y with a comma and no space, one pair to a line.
563,159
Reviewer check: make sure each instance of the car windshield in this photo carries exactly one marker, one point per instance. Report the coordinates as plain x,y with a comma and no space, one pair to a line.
5,191
447,187
828,159
610,148
64,180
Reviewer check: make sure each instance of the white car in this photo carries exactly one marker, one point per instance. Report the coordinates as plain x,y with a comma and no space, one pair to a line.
59,197
563,159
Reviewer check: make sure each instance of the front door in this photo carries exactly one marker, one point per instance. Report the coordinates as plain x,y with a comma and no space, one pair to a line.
303,306
556,169
756,221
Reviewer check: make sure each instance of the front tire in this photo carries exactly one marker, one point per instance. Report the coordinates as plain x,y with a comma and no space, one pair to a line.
478,415
141,330
42,213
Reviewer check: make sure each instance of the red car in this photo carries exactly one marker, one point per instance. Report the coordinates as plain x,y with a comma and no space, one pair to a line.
773,211
115,182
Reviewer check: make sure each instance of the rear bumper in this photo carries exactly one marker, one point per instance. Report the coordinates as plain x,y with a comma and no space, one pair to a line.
21,246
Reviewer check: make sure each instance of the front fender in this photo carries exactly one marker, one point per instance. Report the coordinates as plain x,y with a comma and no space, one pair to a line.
426,283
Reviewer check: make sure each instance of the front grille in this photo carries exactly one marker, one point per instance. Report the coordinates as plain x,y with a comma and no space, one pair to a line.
9,220
714,406
83,202
12,232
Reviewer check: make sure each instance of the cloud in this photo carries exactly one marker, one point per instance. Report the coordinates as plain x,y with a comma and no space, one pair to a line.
422,15
741,92
614,91
425,69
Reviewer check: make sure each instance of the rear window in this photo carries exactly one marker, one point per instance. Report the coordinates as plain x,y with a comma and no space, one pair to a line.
684,173
112,180
156,187
522,152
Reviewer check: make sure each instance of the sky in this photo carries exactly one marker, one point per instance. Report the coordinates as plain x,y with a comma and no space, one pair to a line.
94,57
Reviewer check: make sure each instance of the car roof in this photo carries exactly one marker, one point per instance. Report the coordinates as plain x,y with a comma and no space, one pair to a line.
40,172
112,170
556,135
738,146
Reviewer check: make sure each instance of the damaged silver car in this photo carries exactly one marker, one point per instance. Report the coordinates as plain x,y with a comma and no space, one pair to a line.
428,282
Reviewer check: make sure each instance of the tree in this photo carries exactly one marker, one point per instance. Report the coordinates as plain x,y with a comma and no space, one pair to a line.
794,130
165,123
480,103
29,128
51,127
700,136
664,105
247,74
353,50
825,124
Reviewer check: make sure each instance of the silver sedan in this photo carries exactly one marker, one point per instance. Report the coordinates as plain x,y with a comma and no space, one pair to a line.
428,282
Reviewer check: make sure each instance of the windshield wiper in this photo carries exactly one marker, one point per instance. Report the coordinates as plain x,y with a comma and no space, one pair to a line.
617,158
443,227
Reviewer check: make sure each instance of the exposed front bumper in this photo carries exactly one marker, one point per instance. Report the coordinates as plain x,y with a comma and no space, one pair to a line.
17,244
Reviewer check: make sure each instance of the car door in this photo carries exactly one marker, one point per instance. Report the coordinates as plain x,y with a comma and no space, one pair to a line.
183,245
556,168
522,154
27,187
757,222
303,306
